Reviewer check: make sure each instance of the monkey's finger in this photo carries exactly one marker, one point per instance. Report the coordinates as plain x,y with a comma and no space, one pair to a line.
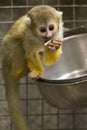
35,75
51,44
56,45
52,48
57,42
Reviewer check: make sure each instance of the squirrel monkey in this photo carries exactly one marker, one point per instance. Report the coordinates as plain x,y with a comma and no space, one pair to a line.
40,30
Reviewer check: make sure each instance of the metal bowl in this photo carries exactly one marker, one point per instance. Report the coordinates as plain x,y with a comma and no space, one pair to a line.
65,83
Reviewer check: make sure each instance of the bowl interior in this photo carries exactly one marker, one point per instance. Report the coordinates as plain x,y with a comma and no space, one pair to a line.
72,62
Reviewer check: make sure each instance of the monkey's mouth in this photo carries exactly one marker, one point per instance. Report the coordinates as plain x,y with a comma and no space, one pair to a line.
46,39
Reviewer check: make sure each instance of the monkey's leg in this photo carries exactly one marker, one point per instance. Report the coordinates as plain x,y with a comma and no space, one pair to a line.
12,94
35,66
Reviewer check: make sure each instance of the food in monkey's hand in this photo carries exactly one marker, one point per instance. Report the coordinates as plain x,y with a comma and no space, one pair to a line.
53,51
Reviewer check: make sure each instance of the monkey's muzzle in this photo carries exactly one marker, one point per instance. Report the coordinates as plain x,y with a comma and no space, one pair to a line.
46,39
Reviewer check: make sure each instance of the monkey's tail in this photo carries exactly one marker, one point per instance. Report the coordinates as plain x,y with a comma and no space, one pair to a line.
12,94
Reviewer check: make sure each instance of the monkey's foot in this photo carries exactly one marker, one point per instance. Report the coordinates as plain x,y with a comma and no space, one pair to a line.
35,74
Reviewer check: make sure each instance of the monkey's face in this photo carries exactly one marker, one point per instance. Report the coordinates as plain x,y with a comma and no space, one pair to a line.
44,21
47,30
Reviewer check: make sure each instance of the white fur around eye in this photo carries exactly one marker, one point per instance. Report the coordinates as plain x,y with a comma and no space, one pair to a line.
28,20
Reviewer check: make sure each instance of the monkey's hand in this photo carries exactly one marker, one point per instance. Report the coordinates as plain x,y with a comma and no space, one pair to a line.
54,44
35,74
35,66
52,51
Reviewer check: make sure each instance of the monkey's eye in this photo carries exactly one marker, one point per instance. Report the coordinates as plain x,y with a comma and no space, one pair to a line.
51,27
43,29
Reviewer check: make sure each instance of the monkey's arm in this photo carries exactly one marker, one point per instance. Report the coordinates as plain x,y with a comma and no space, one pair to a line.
32,46
52,52
35,65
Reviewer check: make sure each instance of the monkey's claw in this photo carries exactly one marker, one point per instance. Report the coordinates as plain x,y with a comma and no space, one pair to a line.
35,75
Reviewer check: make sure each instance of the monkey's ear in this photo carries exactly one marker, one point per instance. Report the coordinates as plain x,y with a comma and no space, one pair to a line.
59,13
28,20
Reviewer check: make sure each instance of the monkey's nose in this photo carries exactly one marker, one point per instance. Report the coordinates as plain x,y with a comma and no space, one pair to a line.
46,39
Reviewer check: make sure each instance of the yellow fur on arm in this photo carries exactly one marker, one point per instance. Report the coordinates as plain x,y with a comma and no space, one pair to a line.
51,56
35,66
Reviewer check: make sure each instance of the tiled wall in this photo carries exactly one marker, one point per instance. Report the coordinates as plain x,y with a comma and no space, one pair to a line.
39,114
74,11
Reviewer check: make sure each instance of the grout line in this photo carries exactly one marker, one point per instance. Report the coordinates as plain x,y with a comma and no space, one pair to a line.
73,20
29,6
11,10
42,2
74,14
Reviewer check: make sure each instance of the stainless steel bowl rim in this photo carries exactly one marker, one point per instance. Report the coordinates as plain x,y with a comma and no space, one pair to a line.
65,82
68,37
